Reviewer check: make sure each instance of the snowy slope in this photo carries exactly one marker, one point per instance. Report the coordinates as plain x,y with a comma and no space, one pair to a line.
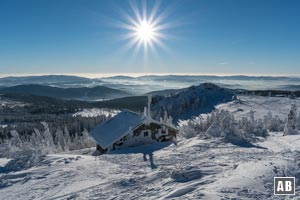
194,169
261,105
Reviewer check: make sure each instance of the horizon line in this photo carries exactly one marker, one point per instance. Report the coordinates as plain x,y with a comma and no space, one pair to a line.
135,75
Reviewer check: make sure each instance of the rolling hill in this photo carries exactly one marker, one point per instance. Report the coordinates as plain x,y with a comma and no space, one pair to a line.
43,80
82,93
192,101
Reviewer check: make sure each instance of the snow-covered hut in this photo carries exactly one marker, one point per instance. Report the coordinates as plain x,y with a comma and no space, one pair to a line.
128,129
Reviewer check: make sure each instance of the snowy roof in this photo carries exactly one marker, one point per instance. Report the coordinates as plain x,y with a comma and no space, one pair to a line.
117,127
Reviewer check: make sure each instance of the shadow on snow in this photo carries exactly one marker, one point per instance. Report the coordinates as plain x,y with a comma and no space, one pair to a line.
147,149
246,144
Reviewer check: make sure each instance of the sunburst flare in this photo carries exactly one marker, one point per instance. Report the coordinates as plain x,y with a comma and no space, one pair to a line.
145,26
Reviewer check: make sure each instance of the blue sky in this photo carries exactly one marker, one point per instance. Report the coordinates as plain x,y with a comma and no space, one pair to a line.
260,37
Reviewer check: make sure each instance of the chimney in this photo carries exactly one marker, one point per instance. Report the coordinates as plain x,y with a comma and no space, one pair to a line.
149,104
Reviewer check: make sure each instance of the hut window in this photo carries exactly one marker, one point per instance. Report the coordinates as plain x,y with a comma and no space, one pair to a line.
145,133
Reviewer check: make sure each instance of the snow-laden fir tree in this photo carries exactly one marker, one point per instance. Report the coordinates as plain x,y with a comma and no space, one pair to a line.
259,129
226,120
276,124
15,143
67,139
59,140
290,126
298,122
48,138
214,130
268,119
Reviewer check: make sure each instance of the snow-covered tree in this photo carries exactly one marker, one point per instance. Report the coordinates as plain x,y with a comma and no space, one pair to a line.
214,130
226,120
56,133
15,143
67,139
167,119
290,126
87,141
259,129
48,138
298,122
268,119
276,124
222,124
59,140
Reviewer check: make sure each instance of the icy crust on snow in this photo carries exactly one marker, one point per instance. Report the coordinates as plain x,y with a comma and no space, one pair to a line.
110,131
194,169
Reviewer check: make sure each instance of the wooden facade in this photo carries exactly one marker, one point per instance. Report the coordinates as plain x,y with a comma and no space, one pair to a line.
154,132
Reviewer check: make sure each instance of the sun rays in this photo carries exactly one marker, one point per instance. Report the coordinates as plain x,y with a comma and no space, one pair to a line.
145,26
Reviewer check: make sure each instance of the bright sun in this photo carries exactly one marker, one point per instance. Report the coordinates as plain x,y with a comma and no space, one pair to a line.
145,32
146,26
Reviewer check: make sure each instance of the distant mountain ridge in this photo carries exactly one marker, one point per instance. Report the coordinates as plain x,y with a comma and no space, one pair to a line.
210,77
50,80
201,77
82,93
145,84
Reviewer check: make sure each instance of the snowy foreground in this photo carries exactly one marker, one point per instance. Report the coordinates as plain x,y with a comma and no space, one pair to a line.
194,169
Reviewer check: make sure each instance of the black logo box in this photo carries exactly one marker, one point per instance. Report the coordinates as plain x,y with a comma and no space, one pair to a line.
284,181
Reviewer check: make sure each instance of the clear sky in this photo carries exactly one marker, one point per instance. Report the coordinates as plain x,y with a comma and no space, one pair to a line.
204,37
